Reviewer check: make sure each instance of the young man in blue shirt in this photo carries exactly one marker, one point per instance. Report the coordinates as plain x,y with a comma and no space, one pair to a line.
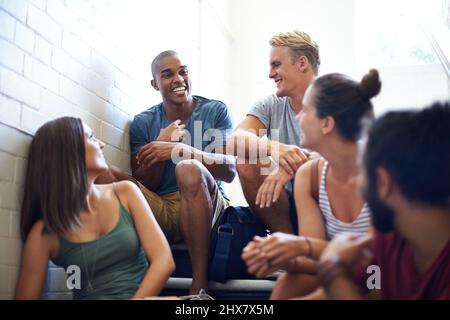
176,155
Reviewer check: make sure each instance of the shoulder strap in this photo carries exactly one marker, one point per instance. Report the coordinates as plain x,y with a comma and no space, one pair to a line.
314,180
116,193
220,259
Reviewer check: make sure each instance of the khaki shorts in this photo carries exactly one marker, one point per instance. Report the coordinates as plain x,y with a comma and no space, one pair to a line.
166,209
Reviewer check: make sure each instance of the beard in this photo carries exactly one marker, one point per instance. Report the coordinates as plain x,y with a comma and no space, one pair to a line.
382,216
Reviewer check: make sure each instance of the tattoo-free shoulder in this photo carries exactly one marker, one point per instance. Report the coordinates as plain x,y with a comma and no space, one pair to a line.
48,239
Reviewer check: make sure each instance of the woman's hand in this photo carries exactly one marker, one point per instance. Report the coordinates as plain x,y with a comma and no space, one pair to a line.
264,256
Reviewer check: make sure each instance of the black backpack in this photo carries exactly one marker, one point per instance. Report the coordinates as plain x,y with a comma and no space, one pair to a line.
235,229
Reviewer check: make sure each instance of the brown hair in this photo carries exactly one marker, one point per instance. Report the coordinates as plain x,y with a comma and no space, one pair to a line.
346,100
56,178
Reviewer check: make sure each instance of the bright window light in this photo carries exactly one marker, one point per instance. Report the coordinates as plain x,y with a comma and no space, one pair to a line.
391,33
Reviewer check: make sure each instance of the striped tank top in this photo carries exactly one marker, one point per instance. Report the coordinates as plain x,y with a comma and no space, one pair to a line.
333,226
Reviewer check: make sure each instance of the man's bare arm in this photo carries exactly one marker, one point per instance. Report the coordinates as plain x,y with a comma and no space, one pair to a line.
221,166
247,142
149,176
247,139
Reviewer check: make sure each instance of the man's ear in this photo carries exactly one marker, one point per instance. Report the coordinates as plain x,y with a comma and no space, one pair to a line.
327,125
154,85
384,183
302,64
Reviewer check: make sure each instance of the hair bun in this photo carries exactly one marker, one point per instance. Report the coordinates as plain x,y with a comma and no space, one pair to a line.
370,84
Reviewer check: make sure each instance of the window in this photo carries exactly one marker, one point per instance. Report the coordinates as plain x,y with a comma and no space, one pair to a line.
391,33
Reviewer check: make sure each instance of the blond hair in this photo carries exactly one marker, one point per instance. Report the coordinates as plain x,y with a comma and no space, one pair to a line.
300,44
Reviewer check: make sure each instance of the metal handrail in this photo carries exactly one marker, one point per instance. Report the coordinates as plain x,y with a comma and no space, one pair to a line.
443,56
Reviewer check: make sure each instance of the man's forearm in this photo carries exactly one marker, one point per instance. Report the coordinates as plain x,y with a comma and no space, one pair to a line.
301,265
245,144
150,176
221,166
333,277
342,288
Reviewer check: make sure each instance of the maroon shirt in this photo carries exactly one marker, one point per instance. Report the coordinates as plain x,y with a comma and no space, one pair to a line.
400,278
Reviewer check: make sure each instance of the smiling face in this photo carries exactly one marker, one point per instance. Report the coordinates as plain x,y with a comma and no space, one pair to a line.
95,160
172,80
284,71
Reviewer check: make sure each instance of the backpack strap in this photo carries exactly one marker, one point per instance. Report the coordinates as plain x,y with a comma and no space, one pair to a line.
220,260
314,180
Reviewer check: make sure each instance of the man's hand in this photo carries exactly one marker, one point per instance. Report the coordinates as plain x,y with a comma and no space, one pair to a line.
174,132
290,157
271,188
348,249
158,151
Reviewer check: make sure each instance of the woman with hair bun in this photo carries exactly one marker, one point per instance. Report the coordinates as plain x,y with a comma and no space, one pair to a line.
326,191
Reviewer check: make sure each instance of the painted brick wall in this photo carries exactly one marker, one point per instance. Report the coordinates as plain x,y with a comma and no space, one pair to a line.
59,58
89,59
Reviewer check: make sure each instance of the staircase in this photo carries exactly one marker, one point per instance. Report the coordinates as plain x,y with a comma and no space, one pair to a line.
239,289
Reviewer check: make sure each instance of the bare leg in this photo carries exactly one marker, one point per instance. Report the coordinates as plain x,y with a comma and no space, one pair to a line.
276,218
292,285
196,185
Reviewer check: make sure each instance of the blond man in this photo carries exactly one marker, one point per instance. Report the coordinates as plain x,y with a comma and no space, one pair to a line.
266,167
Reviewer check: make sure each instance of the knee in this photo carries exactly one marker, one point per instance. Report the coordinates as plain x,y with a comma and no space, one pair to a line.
189,175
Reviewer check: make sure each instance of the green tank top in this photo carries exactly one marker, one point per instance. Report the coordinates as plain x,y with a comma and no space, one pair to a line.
112,267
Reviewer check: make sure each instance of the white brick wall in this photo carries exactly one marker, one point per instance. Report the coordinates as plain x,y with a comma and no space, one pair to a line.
20,88
75,47
6,26
11,56
62,15
7,167
57,58
43,50
24,37
83,58
9,111
5,221
41,73
17,8
42,24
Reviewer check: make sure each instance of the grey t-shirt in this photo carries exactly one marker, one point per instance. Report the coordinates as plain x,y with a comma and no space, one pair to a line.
278,117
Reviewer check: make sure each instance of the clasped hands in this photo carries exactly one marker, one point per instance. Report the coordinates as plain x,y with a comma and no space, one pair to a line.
265,255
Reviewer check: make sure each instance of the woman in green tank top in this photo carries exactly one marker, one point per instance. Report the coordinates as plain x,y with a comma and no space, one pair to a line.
102,235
